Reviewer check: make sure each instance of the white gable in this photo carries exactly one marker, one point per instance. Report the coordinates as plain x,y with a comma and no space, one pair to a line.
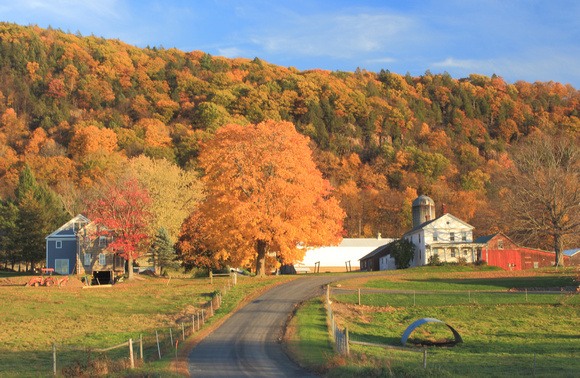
68,229
448,221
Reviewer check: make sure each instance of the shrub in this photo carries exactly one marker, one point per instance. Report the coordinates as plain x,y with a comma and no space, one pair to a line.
434,260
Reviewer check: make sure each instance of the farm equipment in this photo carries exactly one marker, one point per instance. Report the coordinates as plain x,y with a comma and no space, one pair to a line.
44,280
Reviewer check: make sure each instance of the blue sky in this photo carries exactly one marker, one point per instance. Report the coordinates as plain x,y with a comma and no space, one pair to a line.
517,39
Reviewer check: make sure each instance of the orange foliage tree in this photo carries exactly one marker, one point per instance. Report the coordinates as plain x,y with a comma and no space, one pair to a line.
265,196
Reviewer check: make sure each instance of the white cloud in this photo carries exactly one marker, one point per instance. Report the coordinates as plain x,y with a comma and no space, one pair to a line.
466,64
232,52
380,60
337,36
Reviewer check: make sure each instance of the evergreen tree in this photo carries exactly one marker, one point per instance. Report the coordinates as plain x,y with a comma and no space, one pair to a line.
31,229
8,217
39,213
26,182
162,251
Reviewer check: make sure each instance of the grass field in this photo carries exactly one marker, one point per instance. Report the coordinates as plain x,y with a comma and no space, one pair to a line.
504,334
32,319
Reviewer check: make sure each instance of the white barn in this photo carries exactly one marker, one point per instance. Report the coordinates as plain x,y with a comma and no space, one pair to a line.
337,258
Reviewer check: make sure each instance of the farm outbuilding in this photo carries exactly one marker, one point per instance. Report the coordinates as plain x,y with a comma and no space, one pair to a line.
374,260
502,252
338,258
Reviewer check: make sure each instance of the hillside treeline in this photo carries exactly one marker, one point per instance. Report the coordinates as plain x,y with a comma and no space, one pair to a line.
75,108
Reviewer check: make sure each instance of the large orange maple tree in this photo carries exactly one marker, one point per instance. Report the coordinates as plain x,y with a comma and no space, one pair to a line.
265,196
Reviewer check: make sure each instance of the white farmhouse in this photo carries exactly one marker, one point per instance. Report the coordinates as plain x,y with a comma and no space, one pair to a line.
446,236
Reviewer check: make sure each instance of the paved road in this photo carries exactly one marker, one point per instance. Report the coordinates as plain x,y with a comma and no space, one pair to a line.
247,343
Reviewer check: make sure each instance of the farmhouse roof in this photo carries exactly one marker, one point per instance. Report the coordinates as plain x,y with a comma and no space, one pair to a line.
68,230
485,239
571,252
375,252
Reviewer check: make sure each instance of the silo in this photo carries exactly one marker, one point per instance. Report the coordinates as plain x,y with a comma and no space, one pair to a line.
423,210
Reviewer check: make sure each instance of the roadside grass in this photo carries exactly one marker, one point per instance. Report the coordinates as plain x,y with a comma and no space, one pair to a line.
311,344
503,334
32,319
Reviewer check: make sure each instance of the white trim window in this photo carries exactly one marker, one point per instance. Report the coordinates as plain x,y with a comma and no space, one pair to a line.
88,258
61,266
102,241
58,244
102,259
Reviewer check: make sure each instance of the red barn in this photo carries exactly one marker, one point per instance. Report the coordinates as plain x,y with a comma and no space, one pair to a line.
501,251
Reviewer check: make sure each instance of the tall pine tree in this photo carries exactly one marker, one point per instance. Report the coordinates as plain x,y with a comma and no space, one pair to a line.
39,213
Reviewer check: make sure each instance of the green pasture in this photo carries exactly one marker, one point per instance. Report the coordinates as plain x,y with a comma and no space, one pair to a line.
504,333
457,278
32,319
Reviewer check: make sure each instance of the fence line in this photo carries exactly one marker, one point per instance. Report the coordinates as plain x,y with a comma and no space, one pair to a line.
413,297
157,345
342,340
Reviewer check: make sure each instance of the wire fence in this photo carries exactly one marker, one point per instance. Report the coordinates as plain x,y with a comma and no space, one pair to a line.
147,346
522,361
440,298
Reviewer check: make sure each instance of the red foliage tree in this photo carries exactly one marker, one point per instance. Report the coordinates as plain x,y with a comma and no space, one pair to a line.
122,209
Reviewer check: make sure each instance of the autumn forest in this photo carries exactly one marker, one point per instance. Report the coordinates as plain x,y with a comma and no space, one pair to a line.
80,110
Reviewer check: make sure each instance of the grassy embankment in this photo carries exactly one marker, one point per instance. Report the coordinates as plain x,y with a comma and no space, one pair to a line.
502,331
33,318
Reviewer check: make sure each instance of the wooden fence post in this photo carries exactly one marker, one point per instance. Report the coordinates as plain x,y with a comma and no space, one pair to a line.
158,349
359,296
211,306
131,353
424,358
53,359
141,346
347,342
182,331
211,276
171,335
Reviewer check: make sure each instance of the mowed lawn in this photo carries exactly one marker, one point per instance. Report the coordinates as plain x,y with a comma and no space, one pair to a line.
31,319
505,331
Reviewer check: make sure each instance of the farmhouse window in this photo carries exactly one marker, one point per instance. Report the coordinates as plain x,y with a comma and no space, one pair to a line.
102,259
453,252
102,241
464,236
434,237
87,259
61,266
59,244
452,236
500,244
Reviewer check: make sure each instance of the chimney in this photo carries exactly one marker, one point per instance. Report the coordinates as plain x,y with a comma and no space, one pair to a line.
443,209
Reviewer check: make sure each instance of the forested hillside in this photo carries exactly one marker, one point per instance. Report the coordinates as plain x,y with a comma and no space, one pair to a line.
75,108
